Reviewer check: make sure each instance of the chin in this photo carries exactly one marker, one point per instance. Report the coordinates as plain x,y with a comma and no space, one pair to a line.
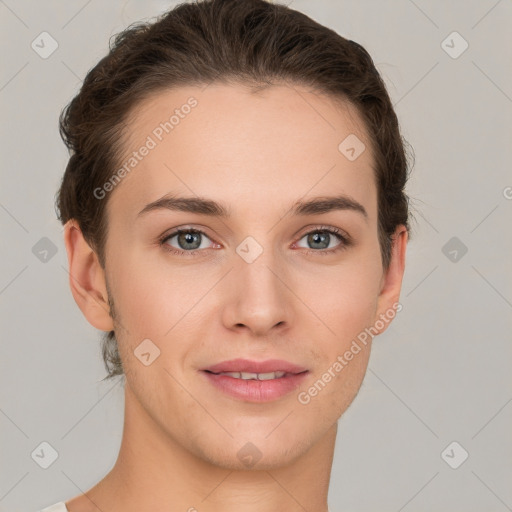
255,453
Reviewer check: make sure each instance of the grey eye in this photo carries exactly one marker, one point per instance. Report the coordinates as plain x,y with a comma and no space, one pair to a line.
188,240
320,239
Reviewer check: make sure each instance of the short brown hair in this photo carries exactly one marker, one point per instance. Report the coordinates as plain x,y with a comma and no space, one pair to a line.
253,42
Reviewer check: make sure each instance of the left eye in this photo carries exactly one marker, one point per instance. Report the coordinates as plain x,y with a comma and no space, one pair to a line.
321,239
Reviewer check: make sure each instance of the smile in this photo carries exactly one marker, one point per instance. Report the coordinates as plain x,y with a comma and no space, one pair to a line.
253,376
255,387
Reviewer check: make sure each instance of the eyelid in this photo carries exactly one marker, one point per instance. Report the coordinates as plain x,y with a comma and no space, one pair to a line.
324,227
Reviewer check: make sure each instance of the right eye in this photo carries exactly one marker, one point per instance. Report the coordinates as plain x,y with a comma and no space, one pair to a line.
189,241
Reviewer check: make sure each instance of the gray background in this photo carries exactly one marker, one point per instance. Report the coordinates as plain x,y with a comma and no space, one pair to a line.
440,373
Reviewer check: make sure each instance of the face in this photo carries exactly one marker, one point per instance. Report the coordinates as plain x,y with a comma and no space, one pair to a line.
268,280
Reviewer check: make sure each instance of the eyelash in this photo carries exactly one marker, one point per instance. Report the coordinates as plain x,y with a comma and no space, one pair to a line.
345,241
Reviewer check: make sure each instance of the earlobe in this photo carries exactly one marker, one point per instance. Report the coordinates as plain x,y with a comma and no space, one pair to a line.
391,283
87,278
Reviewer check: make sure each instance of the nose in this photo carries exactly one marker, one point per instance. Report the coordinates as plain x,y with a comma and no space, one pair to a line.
257,297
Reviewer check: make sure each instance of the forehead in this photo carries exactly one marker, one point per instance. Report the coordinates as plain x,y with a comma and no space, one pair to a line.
256,151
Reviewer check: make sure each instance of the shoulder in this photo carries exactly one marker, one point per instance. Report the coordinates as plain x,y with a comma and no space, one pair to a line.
57,507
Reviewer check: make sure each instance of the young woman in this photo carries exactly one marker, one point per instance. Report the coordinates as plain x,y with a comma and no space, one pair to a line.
236,222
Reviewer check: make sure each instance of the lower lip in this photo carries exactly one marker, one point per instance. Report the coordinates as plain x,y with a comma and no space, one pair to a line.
256,390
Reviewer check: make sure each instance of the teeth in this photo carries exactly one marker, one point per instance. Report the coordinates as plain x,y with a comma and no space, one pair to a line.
271,375
248,376
235,375
254,376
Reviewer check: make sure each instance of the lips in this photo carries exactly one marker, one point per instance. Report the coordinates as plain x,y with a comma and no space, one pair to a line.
258,367
255,381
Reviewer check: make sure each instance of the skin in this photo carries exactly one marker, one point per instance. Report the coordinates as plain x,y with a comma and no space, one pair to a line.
257,153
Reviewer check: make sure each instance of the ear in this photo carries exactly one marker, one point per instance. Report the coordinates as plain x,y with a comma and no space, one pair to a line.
87,278
391,282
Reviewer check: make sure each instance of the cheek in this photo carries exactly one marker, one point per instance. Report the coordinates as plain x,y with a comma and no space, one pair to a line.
334,386
344,308
152,296
343,301
162,303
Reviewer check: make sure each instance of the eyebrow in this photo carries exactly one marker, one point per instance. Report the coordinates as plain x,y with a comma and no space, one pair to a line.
203,206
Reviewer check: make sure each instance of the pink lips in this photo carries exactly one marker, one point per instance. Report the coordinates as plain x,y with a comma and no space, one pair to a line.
256,390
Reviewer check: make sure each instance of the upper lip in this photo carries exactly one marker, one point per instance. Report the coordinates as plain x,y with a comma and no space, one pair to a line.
246,365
